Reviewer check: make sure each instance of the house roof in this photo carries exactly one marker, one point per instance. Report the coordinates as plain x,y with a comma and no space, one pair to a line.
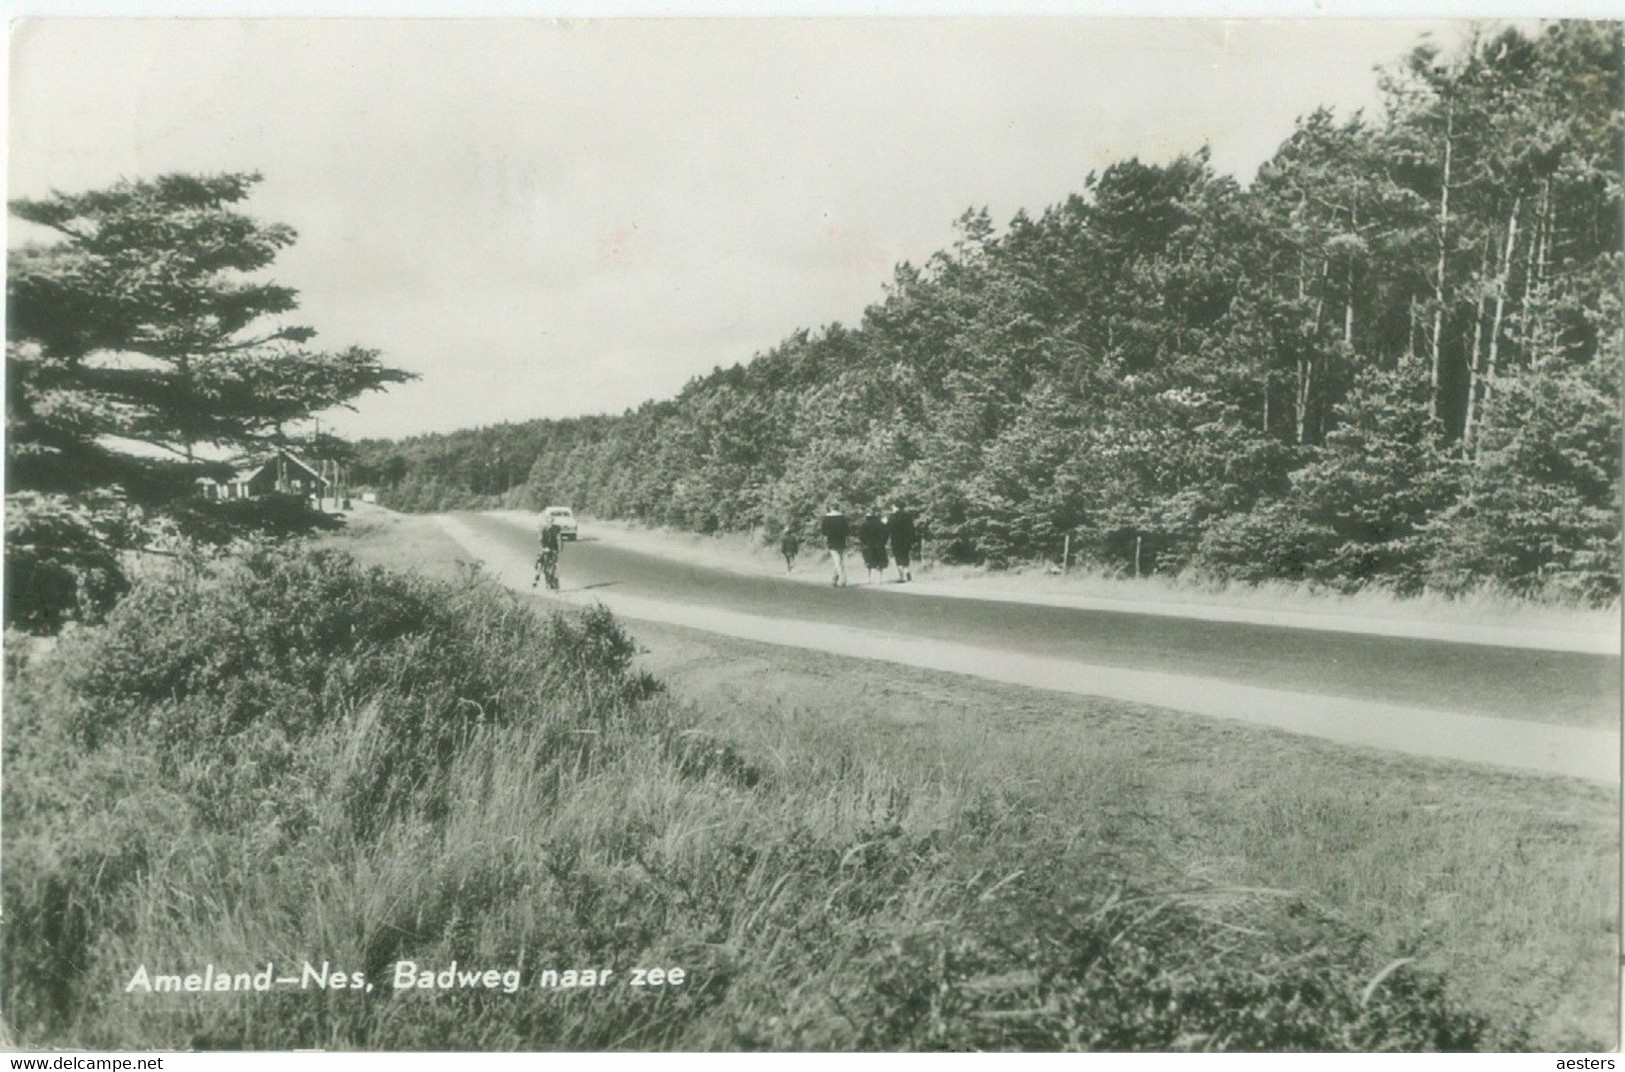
244,475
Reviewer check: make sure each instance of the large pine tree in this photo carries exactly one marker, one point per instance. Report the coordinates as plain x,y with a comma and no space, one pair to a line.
145,351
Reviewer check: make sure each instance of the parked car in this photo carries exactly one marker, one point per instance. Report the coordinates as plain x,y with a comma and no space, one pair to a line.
564,518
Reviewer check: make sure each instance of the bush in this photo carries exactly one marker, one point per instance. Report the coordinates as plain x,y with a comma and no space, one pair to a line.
60,564
233,709
1271,543
247,667
1092,966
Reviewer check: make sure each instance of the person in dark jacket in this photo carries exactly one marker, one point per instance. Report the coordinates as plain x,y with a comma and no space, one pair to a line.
836,529
872,539
547,561
900,526
789,545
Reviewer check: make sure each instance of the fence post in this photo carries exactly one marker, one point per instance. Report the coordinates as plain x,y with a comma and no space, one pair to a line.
1066,555
1136,557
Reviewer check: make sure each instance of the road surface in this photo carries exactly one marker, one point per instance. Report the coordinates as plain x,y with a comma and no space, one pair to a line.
1566,688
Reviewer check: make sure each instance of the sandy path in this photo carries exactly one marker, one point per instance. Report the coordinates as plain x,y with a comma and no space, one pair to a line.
1577,752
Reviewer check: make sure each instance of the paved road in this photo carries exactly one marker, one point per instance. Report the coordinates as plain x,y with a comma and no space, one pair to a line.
1558,687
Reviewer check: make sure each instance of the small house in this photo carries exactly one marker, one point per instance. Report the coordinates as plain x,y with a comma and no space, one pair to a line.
281,473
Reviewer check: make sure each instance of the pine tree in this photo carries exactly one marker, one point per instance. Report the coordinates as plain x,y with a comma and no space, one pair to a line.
145,353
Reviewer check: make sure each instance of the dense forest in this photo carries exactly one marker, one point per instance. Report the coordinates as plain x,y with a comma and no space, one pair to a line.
1392,358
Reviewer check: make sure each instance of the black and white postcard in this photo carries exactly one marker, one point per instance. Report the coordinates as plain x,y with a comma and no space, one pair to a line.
813,534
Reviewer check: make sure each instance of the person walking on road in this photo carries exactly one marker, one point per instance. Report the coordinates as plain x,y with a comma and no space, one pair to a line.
872,539
900,526
836,529
789,545
547,562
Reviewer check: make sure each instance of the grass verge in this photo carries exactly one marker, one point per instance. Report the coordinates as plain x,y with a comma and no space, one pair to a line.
1506,884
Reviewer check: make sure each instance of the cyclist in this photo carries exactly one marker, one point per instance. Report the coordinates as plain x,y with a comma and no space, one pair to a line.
547,562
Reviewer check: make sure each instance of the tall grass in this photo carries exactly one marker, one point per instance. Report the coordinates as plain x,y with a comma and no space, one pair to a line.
297,759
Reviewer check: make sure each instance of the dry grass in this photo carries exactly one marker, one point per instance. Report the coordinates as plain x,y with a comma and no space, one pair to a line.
1507,882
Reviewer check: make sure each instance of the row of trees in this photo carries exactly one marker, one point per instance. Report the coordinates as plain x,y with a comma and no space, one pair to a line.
1394,357
146,351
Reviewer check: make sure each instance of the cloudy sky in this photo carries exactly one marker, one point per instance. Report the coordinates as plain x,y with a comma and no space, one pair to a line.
547,218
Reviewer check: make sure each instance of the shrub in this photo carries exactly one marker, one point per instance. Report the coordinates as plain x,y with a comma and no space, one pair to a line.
233,675
1272,542
1068,965
60,564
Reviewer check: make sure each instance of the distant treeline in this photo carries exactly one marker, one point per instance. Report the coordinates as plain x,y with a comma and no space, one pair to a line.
1393,358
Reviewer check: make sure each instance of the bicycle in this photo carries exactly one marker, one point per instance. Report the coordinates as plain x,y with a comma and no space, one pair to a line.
547,565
